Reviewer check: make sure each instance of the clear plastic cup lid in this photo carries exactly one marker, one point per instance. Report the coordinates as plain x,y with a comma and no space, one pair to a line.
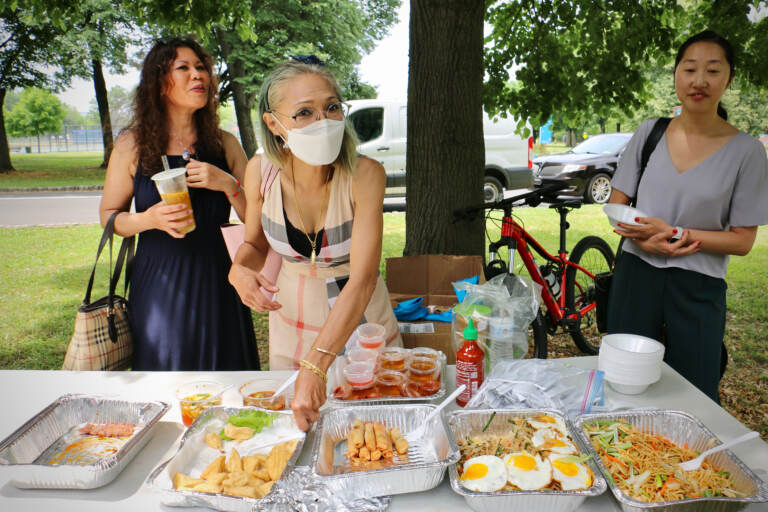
169,174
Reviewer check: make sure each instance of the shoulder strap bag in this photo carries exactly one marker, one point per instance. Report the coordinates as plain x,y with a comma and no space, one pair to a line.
102,339
603,280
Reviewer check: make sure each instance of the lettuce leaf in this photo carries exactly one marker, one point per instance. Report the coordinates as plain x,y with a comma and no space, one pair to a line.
256,420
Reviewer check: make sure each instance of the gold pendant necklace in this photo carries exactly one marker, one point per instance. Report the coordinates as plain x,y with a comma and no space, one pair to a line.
312,242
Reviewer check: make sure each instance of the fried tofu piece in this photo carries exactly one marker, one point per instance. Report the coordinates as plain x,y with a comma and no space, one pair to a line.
236,479
278,459
217,466
251,463
182,482
213,440
207,487
216,478
241,491
234,463
238,433
264,489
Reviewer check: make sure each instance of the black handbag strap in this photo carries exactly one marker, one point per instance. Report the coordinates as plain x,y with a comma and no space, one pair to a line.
126,250
657,132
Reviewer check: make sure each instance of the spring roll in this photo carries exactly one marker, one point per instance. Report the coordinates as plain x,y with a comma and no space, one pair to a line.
381,436
364,454
356,437
401,445
370,438
375,454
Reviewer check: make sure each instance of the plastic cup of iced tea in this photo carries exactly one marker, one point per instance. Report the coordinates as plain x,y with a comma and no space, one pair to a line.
196,397
259,393
172,186
394,358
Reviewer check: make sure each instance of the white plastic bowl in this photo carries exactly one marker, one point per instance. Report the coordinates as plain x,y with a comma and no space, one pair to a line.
622,213
622,345
628,389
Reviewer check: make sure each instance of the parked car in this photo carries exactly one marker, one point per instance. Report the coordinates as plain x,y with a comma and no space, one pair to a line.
381,127
588,167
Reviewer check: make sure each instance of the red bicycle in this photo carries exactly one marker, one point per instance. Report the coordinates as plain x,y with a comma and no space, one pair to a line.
572,311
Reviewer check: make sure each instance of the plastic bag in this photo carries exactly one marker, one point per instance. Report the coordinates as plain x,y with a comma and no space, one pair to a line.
501,309
540,384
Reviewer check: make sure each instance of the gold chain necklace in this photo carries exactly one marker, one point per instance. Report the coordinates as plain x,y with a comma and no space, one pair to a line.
312,242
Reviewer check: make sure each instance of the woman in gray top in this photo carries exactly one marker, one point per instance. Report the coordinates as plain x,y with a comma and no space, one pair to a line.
705,189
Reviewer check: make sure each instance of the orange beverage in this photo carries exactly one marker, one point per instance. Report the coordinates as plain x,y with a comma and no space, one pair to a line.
264,400
181,198
423,369
390,383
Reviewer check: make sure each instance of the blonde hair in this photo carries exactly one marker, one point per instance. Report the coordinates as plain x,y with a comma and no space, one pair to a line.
271,94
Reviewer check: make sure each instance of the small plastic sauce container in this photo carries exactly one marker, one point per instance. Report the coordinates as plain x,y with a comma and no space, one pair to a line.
362,355
371,336
394,358
425,352
359,375
422,369
390,383
195,397
258,393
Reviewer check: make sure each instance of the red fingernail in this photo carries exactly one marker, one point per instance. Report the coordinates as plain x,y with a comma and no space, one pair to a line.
674,231
637,219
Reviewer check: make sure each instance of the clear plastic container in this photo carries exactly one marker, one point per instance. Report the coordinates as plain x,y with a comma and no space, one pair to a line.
359,375
258,393
195,397
372,336
423,369
362,355
425,352
394,358
390,383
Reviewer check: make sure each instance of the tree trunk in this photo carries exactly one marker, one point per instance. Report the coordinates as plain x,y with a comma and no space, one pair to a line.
5,152
618,127
242,103
38,143
602,124
445,147
102,100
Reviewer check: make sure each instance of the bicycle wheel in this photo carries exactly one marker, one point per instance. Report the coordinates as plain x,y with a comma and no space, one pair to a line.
595,255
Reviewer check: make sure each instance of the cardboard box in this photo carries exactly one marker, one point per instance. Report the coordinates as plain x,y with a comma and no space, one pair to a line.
429,276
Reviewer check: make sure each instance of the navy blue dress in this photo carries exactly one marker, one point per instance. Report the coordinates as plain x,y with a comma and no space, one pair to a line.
184,313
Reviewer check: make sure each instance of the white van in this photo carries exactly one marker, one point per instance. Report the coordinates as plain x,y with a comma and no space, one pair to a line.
381,126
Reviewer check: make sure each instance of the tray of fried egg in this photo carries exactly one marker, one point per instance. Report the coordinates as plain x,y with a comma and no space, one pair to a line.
521,459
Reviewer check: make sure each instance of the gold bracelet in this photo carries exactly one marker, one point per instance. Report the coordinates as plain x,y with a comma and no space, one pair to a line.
314,369
323,351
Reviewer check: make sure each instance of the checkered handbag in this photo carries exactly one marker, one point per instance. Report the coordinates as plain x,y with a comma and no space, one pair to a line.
102,339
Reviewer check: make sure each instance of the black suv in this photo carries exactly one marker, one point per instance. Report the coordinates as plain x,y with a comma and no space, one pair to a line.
588,167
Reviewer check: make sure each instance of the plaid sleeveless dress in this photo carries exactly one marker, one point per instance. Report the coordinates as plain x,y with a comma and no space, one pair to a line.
308,293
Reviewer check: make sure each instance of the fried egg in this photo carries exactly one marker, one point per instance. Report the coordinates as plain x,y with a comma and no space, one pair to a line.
551,440
571,475
485,473
528,472
544,421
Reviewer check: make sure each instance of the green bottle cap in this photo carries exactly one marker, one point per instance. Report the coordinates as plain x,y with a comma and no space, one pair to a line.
470,333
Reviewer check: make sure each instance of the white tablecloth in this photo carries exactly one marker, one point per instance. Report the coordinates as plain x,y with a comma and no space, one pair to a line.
25,393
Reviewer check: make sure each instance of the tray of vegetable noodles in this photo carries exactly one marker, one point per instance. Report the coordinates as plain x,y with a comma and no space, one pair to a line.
639,453
229,459
521,460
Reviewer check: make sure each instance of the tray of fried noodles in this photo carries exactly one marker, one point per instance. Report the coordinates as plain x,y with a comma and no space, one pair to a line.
639,451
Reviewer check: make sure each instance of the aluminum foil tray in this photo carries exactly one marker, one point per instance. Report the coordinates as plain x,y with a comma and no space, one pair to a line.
335,380
160,481
25,454
427,458
467,423
681,427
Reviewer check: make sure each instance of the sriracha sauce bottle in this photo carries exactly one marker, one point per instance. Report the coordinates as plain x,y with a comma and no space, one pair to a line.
469,365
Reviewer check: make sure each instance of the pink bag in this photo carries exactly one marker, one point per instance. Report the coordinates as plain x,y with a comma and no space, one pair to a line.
234,237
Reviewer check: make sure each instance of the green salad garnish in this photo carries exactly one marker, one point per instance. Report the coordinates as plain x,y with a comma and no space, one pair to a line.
256,420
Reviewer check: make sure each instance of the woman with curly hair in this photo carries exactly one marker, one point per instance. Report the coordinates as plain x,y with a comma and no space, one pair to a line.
184,313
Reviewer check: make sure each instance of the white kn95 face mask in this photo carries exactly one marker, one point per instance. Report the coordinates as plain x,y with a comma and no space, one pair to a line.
316,144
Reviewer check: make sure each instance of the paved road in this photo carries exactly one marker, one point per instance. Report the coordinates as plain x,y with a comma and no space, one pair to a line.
66,208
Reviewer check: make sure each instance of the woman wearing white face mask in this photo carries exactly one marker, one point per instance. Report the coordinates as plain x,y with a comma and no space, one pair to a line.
316,203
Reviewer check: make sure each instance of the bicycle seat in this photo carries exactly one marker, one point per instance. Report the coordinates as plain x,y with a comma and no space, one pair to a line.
569,203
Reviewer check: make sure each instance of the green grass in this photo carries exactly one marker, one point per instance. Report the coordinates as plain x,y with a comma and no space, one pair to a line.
43,273
54,170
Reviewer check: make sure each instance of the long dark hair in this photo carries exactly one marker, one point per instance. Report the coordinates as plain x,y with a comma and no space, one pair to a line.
150,123
710,36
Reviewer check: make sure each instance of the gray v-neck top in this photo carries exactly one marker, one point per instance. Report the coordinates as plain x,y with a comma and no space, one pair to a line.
730,188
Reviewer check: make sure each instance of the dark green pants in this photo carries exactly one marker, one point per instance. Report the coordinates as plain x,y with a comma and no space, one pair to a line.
682,308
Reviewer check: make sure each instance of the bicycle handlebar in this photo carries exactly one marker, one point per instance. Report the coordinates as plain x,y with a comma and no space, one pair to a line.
532,198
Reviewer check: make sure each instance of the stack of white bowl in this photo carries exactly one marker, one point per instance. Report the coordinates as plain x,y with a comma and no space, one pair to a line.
631,363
